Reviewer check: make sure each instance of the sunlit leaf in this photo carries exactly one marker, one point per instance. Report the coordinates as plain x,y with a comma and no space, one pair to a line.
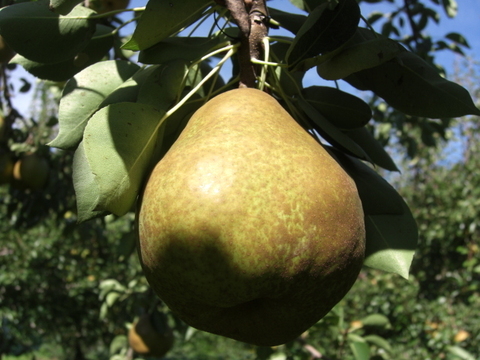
119,141
85,186
411,85
173,15
82,96
180,48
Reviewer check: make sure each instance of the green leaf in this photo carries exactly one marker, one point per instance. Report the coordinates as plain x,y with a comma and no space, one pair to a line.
111,298
109,285
163,85
93,52
458,38
460,353
329,131
118,343
86,189
377,195
372,148
119,141
411,85
365,50
360,350
82,96
40,35
450,7
379,342
172,15
391,242
308,5
184,48
287,20
63,7
342,109
324,31
391,229
377,320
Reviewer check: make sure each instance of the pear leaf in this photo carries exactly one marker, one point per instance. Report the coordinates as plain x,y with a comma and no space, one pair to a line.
360,349
411,85
330,132
377,195
83,94
86,189
40,35
365,50
324,30
308,5
373,148
62,71
378,341
173,15
342,109
185,48
119,141
163,85
392,232
378,320
288,21
63,7
387,237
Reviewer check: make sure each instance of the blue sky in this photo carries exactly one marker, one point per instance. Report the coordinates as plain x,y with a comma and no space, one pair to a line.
467,23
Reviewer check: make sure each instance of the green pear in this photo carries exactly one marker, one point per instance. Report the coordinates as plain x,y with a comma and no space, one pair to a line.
247,227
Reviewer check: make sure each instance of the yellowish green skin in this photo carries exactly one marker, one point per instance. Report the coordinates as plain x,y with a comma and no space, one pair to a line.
248,228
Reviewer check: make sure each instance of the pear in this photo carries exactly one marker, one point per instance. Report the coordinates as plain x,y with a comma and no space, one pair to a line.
146,340
31,172
247,227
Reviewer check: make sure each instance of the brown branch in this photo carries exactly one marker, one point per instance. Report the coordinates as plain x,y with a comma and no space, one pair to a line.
251,17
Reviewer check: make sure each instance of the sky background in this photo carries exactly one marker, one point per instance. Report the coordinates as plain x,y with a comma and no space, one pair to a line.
467,23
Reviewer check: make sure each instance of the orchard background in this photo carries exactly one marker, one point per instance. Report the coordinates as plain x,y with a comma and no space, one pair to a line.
70,281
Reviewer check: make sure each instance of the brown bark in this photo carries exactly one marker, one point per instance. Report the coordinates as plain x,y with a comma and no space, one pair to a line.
251,16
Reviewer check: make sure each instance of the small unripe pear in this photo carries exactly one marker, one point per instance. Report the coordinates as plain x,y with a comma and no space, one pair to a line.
31,171
145,340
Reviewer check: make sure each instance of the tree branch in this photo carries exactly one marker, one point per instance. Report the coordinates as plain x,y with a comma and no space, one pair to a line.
251,17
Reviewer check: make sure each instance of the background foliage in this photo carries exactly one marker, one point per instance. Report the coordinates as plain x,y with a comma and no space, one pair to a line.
72,291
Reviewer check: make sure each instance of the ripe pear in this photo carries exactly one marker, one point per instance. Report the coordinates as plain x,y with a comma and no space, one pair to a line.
247,227
145,340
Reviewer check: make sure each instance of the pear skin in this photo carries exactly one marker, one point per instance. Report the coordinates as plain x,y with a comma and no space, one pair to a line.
247,227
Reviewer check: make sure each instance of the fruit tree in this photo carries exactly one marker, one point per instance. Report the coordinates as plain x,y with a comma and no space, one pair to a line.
222,129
